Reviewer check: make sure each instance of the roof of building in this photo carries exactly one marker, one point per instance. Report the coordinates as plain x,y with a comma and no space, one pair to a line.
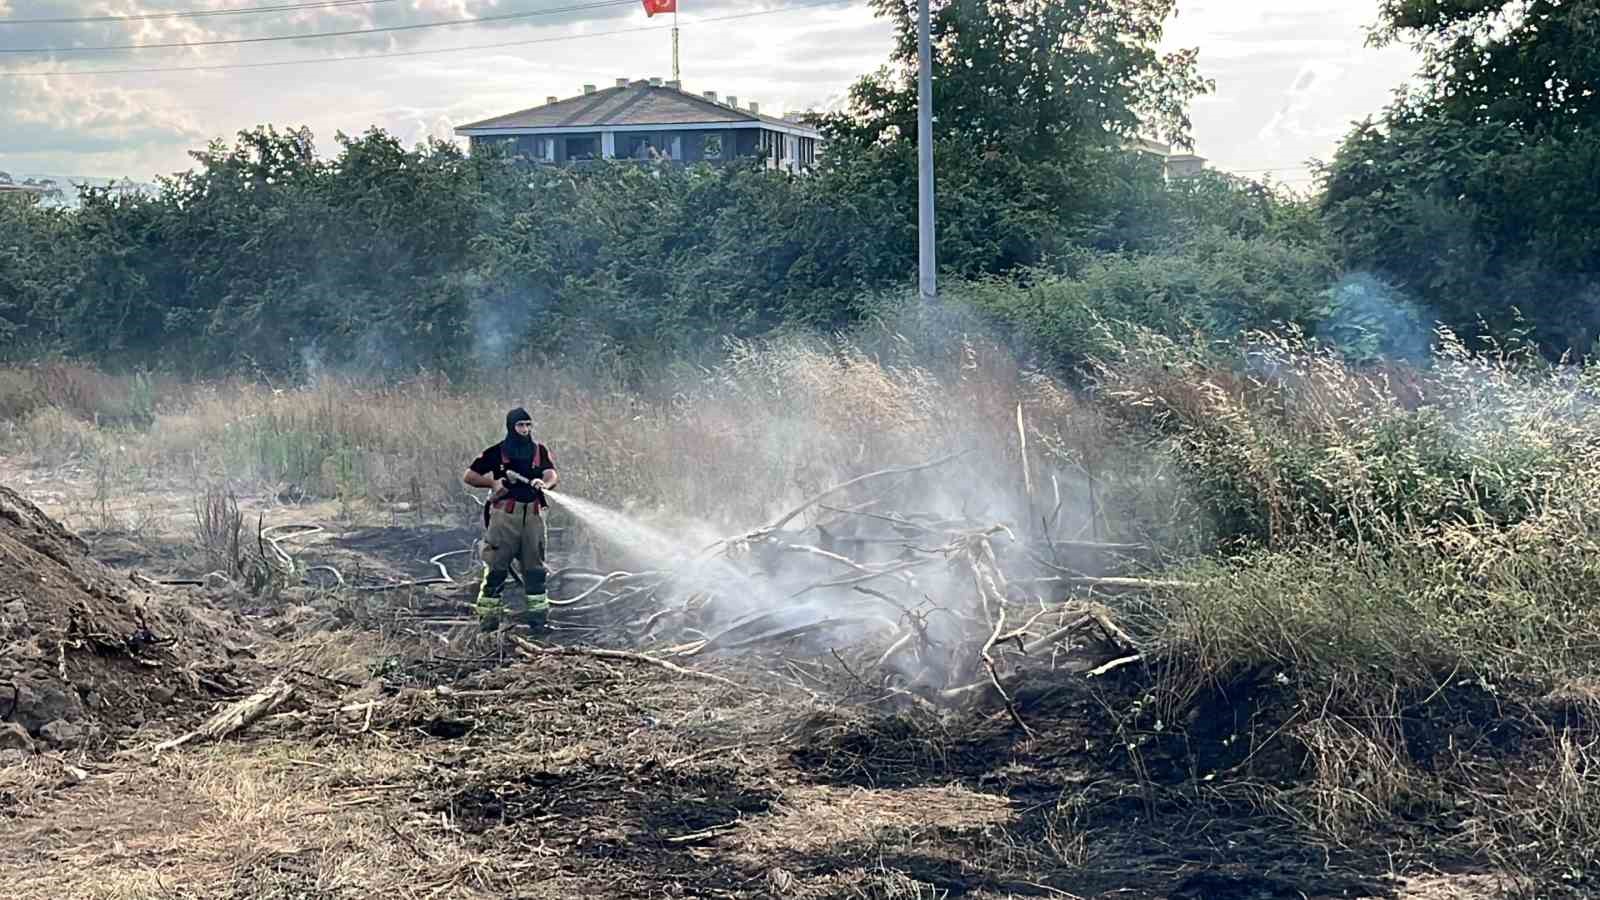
636,103
25,188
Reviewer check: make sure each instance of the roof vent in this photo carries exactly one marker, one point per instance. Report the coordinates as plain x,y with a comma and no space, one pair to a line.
675,85
710,95
588,89
551,99
622,82
656,82
733,101
755,107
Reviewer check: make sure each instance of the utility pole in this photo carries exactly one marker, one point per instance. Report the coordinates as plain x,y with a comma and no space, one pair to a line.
676,76
927,262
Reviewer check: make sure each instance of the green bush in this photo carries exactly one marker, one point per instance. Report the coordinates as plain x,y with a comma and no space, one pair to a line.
383,259
1213,285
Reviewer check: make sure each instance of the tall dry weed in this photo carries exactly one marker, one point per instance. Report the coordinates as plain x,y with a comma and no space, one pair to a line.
219,530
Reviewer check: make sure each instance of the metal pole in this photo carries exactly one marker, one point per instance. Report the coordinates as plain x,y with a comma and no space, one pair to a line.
927,263
675,74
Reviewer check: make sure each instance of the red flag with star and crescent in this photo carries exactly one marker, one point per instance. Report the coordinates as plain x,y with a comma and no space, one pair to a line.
651,7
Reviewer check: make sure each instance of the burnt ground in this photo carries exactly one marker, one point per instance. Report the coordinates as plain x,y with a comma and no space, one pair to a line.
561,777
420,758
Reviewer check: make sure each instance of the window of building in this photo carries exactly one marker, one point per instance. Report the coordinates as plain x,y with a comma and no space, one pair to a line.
503,143
536,147
649,147
583,148
712,148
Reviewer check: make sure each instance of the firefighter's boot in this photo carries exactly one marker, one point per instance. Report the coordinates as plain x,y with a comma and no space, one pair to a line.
537,615
489,607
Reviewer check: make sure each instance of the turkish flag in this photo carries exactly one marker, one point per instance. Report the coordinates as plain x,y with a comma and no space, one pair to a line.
651,7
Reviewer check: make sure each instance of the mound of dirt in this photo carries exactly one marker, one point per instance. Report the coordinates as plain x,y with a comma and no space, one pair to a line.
88,655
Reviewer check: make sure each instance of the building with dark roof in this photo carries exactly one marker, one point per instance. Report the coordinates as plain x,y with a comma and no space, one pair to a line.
648,121
27,192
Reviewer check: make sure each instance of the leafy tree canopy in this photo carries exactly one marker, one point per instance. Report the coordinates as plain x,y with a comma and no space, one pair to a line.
1031,78
1534,64
1475,191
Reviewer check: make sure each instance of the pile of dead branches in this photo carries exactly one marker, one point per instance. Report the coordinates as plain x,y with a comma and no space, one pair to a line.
928,609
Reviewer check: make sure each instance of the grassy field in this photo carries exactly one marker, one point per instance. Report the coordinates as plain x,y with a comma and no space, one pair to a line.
1392,573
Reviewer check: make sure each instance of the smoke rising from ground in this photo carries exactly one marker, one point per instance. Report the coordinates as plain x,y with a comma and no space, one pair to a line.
796,417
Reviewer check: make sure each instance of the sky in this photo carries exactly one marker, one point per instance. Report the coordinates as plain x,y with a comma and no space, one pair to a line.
1291,75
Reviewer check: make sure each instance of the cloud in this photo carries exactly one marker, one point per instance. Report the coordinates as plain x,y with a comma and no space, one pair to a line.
1291,75
46,117
1302,113
853,37
282,27
498,16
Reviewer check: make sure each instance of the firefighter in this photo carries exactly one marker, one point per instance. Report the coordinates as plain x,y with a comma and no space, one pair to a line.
513,519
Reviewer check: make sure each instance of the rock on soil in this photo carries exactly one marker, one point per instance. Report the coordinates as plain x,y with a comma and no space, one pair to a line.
87,652
65,735
14,737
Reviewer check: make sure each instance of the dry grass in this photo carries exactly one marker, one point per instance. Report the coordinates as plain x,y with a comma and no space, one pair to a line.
219,531
23,786
1382,531
345,656
729,446
265,822
815,817
84,393
1361,776
1393,538
216,819
1544,822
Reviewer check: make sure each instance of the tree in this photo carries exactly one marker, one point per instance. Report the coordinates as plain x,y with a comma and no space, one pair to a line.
383,257
41,270
1533,64
1475,190
1029,78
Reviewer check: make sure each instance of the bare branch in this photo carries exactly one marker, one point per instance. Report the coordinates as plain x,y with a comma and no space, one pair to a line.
902,470
531,649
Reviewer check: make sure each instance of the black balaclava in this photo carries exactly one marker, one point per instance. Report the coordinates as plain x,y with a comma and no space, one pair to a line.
518,449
